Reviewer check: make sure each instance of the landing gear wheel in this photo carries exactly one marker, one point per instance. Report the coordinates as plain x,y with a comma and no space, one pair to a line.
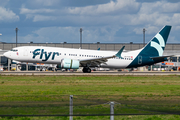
86,70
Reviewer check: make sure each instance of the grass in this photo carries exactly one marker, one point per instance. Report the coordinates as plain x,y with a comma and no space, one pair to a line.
135,117
33,95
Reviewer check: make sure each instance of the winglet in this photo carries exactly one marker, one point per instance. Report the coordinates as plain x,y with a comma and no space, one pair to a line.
119,52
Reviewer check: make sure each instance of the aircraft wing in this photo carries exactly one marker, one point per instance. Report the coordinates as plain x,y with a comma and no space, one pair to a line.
98,61
95,61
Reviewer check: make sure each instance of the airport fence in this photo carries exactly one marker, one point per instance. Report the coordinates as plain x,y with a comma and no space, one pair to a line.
92,46
88,105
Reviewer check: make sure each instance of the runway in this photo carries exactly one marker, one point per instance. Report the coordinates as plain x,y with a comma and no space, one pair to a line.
81,73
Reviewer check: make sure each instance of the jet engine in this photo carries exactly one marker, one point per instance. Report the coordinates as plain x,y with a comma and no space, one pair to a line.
67,63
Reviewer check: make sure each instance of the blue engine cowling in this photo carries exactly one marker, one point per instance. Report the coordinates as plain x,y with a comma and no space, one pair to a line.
69,64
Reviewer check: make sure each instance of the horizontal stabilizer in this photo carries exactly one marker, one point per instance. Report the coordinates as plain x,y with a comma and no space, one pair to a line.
161,57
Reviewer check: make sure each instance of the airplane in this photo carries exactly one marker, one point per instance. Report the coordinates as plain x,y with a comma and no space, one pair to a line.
70,58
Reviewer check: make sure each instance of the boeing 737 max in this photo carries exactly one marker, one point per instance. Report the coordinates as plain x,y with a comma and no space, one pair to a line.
74,58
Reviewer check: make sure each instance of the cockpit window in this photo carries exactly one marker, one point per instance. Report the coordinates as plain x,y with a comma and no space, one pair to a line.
14,50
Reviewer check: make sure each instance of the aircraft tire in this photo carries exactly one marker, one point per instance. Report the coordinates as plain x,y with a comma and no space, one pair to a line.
84,70
88,70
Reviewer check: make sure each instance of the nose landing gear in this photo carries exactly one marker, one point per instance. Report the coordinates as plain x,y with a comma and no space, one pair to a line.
86,70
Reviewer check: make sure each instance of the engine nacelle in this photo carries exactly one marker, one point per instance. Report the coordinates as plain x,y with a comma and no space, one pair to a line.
69,64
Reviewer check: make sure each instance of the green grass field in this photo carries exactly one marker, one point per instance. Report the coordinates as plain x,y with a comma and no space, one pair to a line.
44,95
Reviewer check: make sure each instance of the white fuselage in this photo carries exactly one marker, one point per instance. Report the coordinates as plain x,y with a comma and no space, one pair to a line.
54,55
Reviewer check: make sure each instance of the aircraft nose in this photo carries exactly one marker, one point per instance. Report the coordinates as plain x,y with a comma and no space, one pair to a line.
7,54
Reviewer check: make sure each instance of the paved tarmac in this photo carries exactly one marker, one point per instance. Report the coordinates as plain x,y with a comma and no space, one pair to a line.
92,73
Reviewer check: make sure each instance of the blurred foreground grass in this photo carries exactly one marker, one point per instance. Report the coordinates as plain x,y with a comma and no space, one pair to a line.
33,95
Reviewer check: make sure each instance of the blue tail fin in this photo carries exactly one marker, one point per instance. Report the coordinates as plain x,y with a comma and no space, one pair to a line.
153,49
157,45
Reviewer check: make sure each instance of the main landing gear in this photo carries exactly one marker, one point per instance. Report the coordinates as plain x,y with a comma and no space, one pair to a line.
86,70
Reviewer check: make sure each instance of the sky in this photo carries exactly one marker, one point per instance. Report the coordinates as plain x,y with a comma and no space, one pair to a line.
104,21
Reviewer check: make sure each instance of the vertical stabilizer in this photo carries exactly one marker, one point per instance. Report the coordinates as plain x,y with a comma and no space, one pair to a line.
157,45
154,48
